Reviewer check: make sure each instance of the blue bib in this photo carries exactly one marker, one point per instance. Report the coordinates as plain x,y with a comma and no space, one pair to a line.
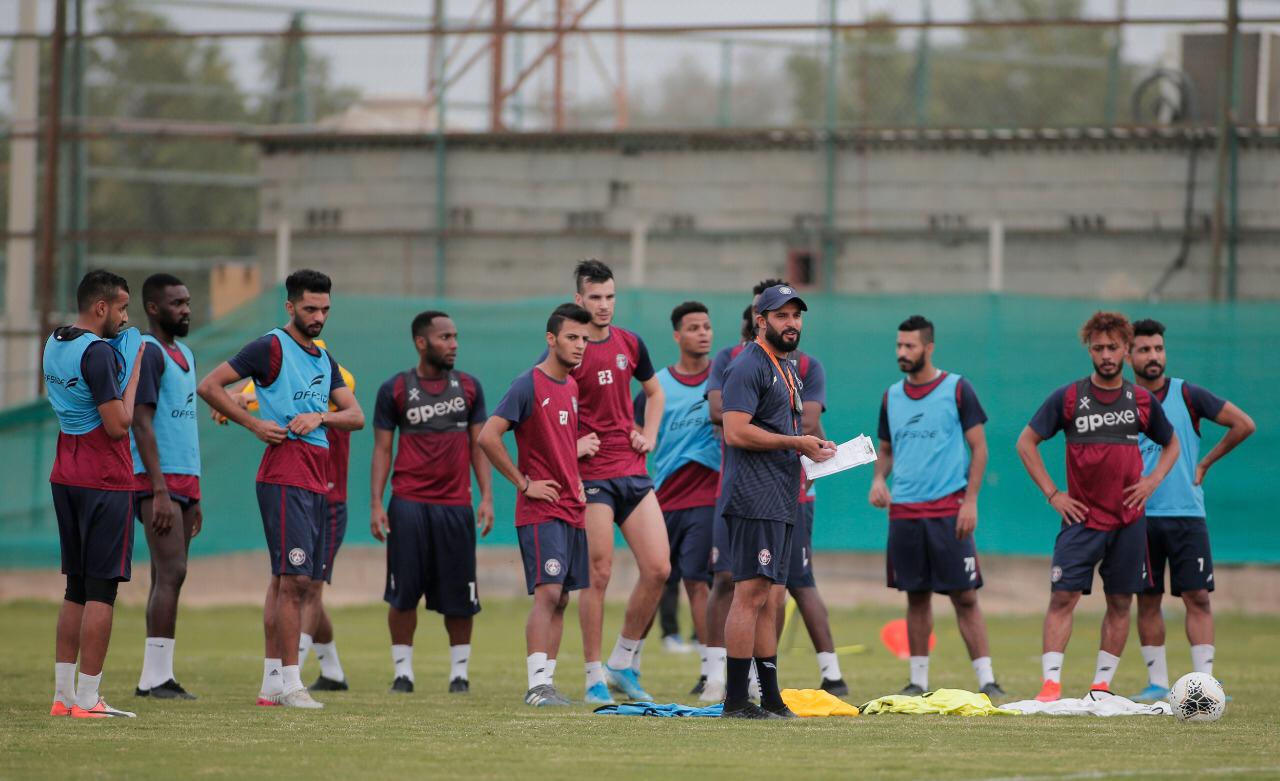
930,457
69,394
685,434
1177,495
175,425
302,386
126,343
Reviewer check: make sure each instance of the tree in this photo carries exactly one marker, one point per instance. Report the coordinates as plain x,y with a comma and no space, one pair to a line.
281,59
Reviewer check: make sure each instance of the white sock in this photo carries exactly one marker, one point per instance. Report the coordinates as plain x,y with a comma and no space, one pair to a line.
87,690
157,662
1202,659
829,666
716,656
327,656
1106,669
64,683
623,650
272,678
1157,665
635,657
595,673
537,667
459,654
702,654
920,671
305,641
291,678
551,671
1051,666
982,666
402,658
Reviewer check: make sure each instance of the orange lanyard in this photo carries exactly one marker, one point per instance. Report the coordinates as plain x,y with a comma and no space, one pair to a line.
791,386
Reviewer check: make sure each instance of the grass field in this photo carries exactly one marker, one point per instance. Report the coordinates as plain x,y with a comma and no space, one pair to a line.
369,733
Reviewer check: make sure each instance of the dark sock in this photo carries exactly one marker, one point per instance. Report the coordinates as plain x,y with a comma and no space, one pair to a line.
767,670
738,672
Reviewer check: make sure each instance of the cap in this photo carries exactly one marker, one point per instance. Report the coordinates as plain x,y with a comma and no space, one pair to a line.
776,297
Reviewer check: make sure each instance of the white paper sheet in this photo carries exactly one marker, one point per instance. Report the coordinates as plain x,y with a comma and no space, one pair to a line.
855,452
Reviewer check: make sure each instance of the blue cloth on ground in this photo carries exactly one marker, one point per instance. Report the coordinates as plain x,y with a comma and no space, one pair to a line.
670,710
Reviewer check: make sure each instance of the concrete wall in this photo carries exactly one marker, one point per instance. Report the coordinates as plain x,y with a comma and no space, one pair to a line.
1088,218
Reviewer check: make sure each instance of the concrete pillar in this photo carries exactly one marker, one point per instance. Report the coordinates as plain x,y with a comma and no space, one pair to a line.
21,338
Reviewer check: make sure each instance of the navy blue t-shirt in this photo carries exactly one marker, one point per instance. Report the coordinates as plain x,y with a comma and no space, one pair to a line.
762,484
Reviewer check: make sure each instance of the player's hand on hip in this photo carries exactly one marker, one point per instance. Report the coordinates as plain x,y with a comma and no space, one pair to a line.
484,517
816,448
1137,494
879,496
967,519
379,527
1201,470
161,513
305,423
197,520
542,490
640,443
582,491
1071,510
588,445
269,432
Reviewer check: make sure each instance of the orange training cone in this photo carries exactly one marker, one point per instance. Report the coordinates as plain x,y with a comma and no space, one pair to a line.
894,637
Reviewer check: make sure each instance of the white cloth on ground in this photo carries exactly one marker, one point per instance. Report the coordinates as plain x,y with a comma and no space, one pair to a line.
1094,704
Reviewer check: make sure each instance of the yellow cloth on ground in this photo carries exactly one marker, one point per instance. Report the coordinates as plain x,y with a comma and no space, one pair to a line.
949,702
250,393
816,702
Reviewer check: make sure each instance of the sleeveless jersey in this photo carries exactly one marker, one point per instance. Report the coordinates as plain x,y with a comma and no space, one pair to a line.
85,455
685,434
302,386
930,457
1177,495
175,424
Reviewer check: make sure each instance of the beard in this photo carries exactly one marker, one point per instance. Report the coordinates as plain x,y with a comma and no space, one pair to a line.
1119,367
784,341
310,330
1152,371
183,327
909,367
440,362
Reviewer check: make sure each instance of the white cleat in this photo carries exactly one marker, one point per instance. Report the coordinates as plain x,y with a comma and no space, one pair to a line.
300,698
712,692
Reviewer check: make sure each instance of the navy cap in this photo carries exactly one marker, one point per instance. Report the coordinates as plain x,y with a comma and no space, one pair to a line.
776,297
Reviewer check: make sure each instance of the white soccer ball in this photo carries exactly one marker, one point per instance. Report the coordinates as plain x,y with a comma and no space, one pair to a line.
1198,697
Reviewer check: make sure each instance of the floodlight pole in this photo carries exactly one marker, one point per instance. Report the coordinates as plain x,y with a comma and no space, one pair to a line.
829,153
1226,142
52,133
496,51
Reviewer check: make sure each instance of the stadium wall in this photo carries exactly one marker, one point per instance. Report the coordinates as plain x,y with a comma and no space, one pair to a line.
1015,349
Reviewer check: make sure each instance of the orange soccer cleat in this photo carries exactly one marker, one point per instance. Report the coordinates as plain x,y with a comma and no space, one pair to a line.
59,709
1051,691
1100,687
100,711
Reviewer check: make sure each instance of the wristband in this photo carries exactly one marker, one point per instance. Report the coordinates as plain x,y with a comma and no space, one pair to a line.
527,483
1049,498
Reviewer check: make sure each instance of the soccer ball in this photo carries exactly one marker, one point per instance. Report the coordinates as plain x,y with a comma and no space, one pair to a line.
1198,697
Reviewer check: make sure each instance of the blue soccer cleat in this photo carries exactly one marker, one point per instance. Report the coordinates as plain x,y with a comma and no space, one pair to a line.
598,694
628,682
1153,693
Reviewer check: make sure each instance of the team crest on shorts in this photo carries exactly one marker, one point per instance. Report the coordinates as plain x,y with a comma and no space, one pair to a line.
552,567
621,360
1055,574
297,557
593,490
764,557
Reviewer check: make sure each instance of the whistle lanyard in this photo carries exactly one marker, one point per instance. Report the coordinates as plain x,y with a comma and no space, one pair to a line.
791,386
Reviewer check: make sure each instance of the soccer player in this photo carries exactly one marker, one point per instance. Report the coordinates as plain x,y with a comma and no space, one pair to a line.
618,488
686,462
165,445
1103,524
1176,530
429,527
295,380
92,485
933,441
542,406
761,479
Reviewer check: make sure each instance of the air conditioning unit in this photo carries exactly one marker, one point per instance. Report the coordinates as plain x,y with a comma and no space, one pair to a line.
1203,59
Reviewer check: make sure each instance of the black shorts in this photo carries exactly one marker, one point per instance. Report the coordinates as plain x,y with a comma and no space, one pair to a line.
759,548
689,531
1184,544
720,560
333,536
924,555
95,528
296,524
1125,568
800,570
184,502
554,552
431,552
623,494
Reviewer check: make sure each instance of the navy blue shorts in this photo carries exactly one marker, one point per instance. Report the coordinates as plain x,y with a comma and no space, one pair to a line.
800,570
689,531
1184,544
431,553
333,536
183,502
924,555
720,560
95,528
1122,552
759,548
554,552
623,494
295,522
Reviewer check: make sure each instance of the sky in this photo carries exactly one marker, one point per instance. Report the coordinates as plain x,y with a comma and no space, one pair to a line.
398,66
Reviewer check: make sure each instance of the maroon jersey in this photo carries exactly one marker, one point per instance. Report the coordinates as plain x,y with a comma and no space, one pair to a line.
339,460
433,459
692,485
604,382
544,414
1103,458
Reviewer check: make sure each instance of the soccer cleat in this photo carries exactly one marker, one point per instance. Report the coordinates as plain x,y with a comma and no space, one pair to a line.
169,690
59,709
459,686
629,682
1050,692
268,700
324,684
700,685
1100,687
598,694
1153,693
837,687
100,711
402,685
714,691
559,698
911,690
749,711
544,696
753,688
783,713
300,698
993,691
673,644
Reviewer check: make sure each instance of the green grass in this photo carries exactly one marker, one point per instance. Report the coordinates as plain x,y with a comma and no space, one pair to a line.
369,733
